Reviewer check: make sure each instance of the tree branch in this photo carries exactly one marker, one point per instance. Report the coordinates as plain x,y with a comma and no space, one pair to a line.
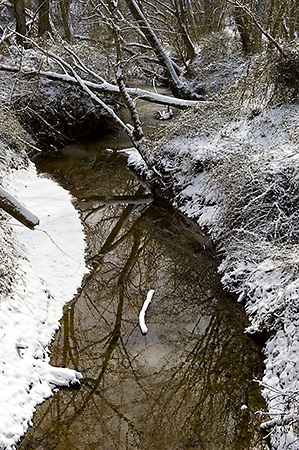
108,88
259,26
14,208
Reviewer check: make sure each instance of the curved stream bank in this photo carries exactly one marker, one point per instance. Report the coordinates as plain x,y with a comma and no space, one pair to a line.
189,382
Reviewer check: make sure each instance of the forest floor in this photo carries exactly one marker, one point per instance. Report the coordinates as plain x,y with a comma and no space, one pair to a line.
231,164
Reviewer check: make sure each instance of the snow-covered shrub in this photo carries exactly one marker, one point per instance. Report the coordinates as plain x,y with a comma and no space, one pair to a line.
13,141
286,73
270,78
259,202
8,257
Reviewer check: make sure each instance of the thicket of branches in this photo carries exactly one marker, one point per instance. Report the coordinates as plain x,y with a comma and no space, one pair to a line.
159,37
154,39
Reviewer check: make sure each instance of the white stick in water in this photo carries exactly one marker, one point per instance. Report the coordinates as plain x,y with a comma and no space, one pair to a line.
146,304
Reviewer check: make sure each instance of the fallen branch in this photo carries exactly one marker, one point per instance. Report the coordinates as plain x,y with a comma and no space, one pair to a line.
120,199
13,207
106,87
146,304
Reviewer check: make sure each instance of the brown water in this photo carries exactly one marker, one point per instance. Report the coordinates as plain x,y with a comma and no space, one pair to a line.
182,385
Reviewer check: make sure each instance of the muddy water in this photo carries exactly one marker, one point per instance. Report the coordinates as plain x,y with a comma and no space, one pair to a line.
183,385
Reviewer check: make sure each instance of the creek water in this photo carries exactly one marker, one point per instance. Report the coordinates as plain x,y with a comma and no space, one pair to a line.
185,383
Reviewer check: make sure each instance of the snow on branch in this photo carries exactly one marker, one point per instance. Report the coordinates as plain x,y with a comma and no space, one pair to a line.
13,207
106,87
146,304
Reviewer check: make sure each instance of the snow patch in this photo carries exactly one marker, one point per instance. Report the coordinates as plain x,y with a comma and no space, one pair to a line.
146,304
49,270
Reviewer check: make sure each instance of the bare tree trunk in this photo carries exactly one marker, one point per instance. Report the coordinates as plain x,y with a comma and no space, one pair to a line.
244,25
43,17
152,39
294,20
137,134
66,19
21,29
208,7
253,19
181,15
177,86
260,13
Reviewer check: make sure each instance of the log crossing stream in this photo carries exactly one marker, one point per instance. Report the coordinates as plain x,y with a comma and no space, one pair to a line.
188,382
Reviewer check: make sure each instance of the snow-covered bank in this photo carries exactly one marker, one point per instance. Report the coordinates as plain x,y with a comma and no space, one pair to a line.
237,174
48,266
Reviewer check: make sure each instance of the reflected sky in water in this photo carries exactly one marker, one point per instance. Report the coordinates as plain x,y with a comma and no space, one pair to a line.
182,385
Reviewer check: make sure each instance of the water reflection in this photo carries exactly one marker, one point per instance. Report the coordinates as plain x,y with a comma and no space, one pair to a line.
181,386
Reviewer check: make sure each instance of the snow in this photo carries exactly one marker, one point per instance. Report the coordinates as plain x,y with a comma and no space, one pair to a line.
48,270
146,304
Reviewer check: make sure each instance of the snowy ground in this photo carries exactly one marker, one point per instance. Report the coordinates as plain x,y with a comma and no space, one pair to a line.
238,176
48,265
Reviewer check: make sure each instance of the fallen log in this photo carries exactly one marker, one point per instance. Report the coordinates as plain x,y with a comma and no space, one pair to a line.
14,208
106,87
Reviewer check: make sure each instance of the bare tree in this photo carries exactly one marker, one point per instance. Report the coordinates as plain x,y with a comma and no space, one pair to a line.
276,20
135,22
43,17
21,29
181,13
66,19
293,14
171,20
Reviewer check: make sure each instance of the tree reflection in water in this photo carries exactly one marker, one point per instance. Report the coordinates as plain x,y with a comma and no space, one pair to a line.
183,384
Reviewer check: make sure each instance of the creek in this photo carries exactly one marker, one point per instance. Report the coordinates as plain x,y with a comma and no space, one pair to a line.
188,383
